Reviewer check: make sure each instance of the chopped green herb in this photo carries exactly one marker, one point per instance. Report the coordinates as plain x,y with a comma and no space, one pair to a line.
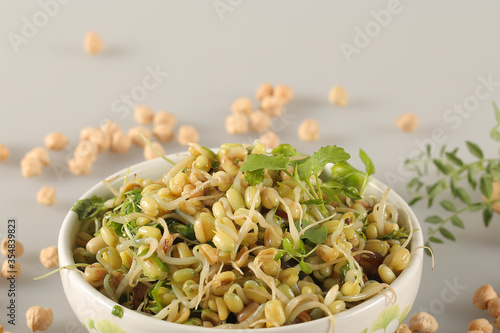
87,208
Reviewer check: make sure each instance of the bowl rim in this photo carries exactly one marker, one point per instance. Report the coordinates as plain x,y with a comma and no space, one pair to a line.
69,223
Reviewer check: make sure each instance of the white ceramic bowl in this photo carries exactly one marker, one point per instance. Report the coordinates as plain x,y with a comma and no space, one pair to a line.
93,309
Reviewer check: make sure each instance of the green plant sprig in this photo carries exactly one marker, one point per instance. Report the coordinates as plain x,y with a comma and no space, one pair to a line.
457,180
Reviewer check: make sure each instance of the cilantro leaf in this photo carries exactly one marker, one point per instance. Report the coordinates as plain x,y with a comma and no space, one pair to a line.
176,227
316,235
87,208
285,150
370,168
325,155
260,161
254,177
346,174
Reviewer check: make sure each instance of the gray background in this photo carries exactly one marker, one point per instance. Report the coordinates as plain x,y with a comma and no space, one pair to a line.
424,58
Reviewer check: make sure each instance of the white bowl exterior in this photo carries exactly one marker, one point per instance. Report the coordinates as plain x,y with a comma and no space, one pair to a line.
91,306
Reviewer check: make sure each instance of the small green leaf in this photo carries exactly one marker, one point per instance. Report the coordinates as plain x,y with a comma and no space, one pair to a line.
463,195
305,267
287,246
435,240
454,159
474,207
87,208
352,192
254,177
414,200
444,168
486,185
278,255
446,234
474,149
261,161
325,155
448,205
370,168
285,149
434,219
487,215
471,176
313,202
436,188
457,222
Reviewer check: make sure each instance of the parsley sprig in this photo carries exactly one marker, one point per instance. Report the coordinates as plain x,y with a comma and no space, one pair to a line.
458,180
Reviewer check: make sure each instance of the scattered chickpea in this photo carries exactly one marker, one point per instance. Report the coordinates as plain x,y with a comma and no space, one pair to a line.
264,90
187,134
259,121
31,167
16,247
270,140
39,153
8,272
86,150
423,322
163,132
135,135
236,123
4,152
120,143
165,117
403,329
496,323
408,122
272,105
150,154
79,166
309,130
481,324
39,318
110,127
285,93
46,196
93,43
242,105
49,257
494,307
338,96
143,114
55,141
482,295
97,137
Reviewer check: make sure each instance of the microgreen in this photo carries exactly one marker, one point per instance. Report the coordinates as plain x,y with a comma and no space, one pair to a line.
87,208
456,189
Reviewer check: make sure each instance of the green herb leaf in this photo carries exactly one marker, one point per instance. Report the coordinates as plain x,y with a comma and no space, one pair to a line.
313,202
486,185
261,161
474,149
475,207
415,200
487,215
452,157
434,219
305,267
444,168
370,168
346,174
287,245
254,177
457,222
87,208
448,205
446,234
351,192
316,235
325,155
435,240
463,196
471,177
176,227
285,150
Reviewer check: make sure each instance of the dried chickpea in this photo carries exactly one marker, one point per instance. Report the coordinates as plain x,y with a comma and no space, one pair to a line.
285,93
403,329
163,132
408,122
134,135
46,196
31,167
4,153
236,123
338,96
270,140
165,117
149,152
143,114
272,105
13,246
242,105
188,134
481,324
259,121
264,90
39,318
120,143
97,137
93,43
110,127
494,307
49,257
482,295
423,322
8,271
309,130
55,141
39,153
79,166
86,150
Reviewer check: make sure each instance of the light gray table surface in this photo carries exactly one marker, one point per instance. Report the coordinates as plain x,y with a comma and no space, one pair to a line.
424,57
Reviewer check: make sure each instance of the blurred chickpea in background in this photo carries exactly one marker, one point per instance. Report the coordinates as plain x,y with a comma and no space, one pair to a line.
270,140
188,134
55,141
46,196
92,43
236,123
338,96
134,135
143,114
408,122
309,130
4,153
